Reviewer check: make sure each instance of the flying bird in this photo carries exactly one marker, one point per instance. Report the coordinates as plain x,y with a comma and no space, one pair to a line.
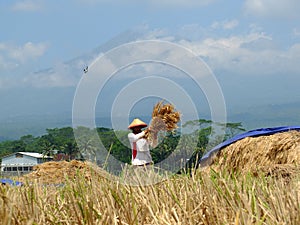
86,69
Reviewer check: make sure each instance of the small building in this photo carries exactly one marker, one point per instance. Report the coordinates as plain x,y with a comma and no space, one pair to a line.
22,162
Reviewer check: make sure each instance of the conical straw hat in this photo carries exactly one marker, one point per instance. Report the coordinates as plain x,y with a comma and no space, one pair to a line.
137,123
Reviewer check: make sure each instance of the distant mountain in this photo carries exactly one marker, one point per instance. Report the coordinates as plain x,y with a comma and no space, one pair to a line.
252,118
36,125
4,138
270,115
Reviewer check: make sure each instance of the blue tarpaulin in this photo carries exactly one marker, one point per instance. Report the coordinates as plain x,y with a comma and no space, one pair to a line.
11,182
251,133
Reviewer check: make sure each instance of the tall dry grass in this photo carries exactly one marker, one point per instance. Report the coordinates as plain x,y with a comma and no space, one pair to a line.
204,198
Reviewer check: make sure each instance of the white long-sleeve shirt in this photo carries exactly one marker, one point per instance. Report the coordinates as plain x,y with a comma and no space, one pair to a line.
142,147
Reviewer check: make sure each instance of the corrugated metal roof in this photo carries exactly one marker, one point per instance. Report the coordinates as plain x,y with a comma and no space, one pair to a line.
31,154
34,154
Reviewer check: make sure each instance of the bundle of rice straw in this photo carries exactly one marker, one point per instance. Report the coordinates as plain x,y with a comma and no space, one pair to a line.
164,118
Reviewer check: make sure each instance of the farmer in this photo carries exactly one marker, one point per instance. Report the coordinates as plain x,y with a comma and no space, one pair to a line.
139,144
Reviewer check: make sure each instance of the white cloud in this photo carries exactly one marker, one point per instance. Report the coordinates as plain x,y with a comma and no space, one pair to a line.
170,3
27,5
226,25
16,60
254,28
181,2
273,9
296,32
292,57
21,54
252,54
62,75
50,80
29,51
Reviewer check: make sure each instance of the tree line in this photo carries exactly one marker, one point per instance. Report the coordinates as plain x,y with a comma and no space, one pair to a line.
82,143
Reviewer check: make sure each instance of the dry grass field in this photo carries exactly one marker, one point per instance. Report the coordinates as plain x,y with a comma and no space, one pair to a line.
210,198
242,189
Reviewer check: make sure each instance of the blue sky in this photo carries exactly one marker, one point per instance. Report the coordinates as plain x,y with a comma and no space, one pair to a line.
40,33
252,46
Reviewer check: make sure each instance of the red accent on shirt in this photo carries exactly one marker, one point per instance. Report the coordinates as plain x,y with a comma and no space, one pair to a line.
134,151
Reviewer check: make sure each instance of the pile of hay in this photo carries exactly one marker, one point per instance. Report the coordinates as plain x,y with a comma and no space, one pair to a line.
164,118
273,154
57,172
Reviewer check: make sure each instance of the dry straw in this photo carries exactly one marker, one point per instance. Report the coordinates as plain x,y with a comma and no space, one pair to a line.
200,199
164,118
277,153
57,172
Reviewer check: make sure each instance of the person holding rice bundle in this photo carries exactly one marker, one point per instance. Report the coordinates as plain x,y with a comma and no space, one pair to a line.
164,118
139,144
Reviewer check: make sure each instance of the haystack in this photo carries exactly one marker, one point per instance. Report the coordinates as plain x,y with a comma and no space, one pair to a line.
272,154
57,172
